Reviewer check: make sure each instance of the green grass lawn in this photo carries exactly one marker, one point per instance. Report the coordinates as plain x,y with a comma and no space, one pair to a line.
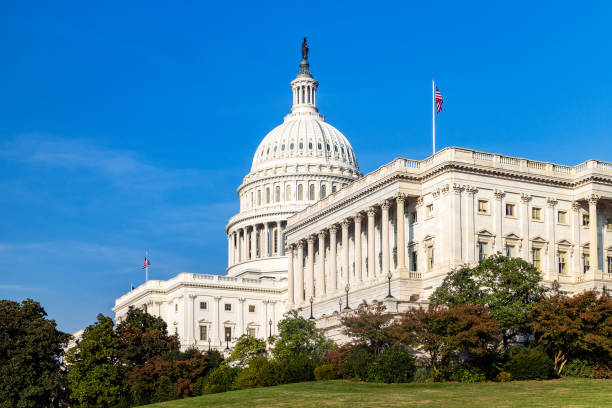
553,393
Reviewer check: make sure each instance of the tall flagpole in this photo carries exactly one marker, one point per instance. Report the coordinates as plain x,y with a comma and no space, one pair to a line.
147,266
433,113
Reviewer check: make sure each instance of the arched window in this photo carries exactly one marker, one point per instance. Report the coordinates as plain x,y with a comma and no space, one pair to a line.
319,146
333,188
268,195
323,191
275,240
301,145
252,203
258,197
291,146
300,192
311,192
310,145
277,194
288,193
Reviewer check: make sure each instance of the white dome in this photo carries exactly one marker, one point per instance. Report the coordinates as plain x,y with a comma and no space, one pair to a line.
304,138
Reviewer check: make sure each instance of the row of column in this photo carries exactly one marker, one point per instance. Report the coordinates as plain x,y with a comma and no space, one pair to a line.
304,94
239,250
302,280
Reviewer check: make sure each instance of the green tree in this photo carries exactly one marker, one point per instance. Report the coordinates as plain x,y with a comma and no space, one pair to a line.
30,351
577,327
370,326
299,336
247,348
509,287
96,375
137,318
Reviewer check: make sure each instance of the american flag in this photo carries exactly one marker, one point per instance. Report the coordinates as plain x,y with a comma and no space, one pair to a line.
438,98
146,262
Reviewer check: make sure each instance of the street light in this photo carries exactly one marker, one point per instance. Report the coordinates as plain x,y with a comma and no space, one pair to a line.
340,304
346,289
311,316
209,344
389,275
270,323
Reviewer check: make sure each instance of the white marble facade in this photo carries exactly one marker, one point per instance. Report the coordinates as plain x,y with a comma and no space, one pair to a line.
311,227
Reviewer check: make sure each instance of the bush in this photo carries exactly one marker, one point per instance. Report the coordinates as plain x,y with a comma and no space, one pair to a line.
504,376
261,372
220,379
423,374
529,364
579,368
297,369
394,365
325,372
356,363
466,375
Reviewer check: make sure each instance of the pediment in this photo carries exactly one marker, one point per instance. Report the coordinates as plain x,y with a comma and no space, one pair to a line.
204,321
252,324
512,236
564,242
539,240
428,238
484,233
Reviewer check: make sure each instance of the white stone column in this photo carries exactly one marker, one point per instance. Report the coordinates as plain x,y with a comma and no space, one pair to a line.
290,277
240,327
265,241
300,273
189,318
469,238
217,321
385,237
345,250
229,249
593,233
310,268
279,239
525,225
401,237
320,291
576,238
551,269
333,258
244,245
371,249
254,242
358,272
455,223
497,219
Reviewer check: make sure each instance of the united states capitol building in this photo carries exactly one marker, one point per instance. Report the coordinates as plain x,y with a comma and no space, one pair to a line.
314,233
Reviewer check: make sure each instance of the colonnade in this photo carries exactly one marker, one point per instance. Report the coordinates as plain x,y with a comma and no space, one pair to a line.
257,241
305,94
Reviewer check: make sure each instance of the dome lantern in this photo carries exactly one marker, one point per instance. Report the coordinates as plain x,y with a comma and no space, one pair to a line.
304,86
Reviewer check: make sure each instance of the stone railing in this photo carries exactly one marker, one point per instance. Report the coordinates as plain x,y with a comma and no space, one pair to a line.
452,154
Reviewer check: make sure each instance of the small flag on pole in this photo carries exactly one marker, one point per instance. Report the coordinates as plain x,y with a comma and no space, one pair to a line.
439,101
146,263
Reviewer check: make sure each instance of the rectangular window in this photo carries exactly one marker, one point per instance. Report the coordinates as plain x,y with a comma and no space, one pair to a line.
429,210
203,305
228,307
482,251
585,220
203,333
586,262
413,217
510,210
251,308
251,332
610,264
483,207
536,214
430,258
510,251
562,263
414,260
537,258
609,224
562,217
228,334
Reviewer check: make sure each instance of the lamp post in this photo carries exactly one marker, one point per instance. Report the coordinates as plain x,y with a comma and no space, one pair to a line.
346,289
311,316
209,344
340,304
270,323
389,275
227,339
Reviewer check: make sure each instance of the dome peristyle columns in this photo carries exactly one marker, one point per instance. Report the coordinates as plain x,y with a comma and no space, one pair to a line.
257,241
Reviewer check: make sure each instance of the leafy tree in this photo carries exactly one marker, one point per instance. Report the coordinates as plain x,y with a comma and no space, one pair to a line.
577,327
298,336
246,349
96,375
139,319
509,287
445,333
30,351
370,326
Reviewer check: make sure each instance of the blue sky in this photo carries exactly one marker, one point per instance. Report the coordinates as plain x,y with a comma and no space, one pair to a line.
127,126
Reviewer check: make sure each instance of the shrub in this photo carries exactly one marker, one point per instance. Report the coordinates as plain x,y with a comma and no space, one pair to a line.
394,365
423,374
602,372
466,375
355,364
297,369
504,376
579,368
220,379
529,364
261,372
325,372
